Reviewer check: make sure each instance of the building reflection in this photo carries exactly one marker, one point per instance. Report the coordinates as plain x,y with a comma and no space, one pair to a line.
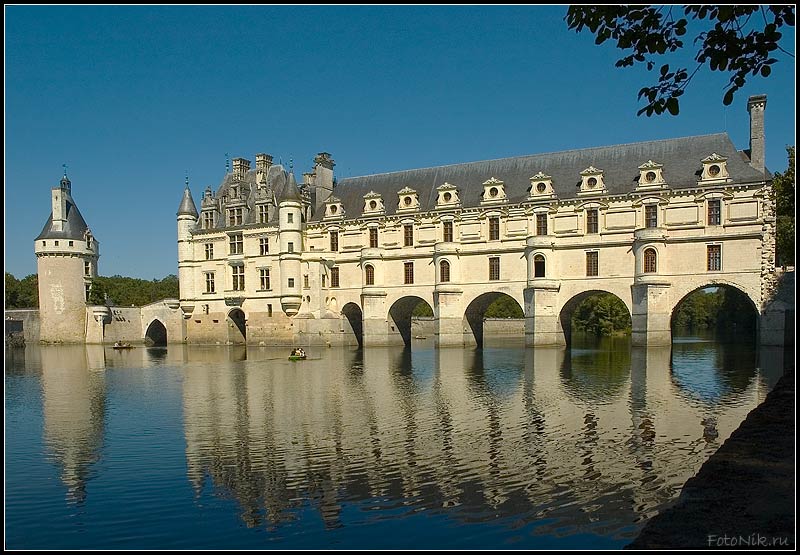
531,434
73,393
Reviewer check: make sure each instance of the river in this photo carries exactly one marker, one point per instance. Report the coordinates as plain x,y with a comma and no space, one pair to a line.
379,448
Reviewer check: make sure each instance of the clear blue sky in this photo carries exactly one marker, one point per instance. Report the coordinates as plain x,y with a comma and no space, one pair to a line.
131,98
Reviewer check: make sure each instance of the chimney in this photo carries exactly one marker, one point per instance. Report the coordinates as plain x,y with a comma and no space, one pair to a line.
323,179
756,105
308,178
263,162
240,167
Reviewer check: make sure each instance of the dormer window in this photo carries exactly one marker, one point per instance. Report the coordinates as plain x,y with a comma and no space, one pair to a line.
592,181
541,186
373,204
494,190
334,208
447,196
408,199
715,169
651,176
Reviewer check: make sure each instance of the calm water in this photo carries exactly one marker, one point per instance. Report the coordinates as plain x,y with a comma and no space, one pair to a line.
227,447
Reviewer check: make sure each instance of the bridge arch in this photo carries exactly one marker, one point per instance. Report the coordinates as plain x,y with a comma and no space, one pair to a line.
355,318
156,334
569,307
400,315
736,301
476,310
237,326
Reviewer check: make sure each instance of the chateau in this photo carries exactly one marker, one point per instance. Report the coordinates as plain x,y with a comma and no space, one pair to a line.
266,260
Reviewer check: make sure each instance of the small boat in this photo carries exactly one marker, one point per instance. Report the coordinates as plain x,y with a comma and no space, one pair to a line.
297,357
123,346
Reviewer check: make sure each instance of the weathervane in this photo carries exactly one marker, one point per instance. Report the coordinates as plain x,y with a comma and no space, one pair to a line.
65,169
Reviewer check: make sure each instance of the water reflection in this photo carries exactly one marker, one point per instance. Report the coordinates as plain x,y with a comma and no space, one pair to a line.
74,398
480,434
545,442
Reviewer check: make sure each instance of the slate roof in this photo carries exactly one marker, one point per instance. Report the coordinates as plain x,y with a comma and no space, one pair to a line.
74,227
680,157
187,204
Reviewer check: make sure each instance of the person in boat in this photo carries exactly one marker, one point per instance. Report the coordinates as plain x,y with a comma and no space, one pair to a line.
117,344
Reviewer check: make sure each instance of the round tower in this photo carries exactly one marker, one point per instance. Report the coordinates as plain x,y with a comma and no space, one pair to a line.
66,259
187,221
290,227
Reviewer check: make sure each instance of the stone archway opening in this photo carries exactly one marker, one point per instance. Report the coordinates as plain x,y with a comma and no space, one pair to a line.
721,311
402,312
355,317
598,313
494,305
237,329
156,334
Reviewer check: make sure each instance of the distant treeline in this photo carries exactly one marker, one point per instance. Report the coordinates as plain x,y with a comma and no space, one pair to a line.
719,309
114,290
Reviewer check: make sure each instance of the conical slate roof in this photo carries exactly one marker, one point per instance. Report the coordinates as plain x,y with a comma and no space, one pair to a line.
187,206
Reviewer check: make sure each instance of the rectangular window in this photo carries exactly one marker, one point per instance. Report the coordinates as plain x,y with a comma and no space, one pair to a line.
323,279
334,241
289,218
714,258
209,251
306,284
71,244
236,243
591,221
408,272
541,224
269,310
264,275
714,212
263,246
373,237
651,215
87,268
210,282
334,277
87,291
290,246
238,277
263,213
208,220
408,235
592,265
56,242
447,232
291,283
494,268
494,229
235,216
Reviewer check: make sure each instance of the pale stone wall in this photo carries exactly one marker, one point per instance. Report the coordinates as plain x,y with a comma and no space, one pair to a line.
30,323
62,299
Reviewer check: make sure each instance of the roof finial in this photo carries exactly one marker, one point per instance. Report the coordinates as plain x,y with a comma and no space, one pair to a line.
291,165
227,164
65,169
187,179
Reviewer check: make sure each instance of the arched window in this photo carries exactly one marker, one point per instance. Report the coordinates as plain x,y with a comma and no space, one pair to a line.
538,266
649,261
369,272
444,271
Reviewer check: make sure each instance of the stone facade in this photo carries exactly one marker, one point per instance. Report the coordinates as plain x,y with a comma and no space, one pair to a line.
266,261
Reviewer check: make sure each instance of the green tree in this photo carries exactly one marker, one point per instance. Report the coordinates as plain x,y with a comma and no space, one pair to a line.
783,186
12,291
740,40
422,310
504,307
602,314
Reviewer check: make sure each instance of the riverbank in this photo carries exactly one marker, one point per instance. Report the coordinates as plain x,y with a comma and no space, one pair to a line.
744,495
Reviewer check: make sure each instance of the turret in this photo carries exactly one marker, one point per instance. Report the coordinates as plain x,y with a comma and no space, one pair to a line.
187,221
290,228
66,257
